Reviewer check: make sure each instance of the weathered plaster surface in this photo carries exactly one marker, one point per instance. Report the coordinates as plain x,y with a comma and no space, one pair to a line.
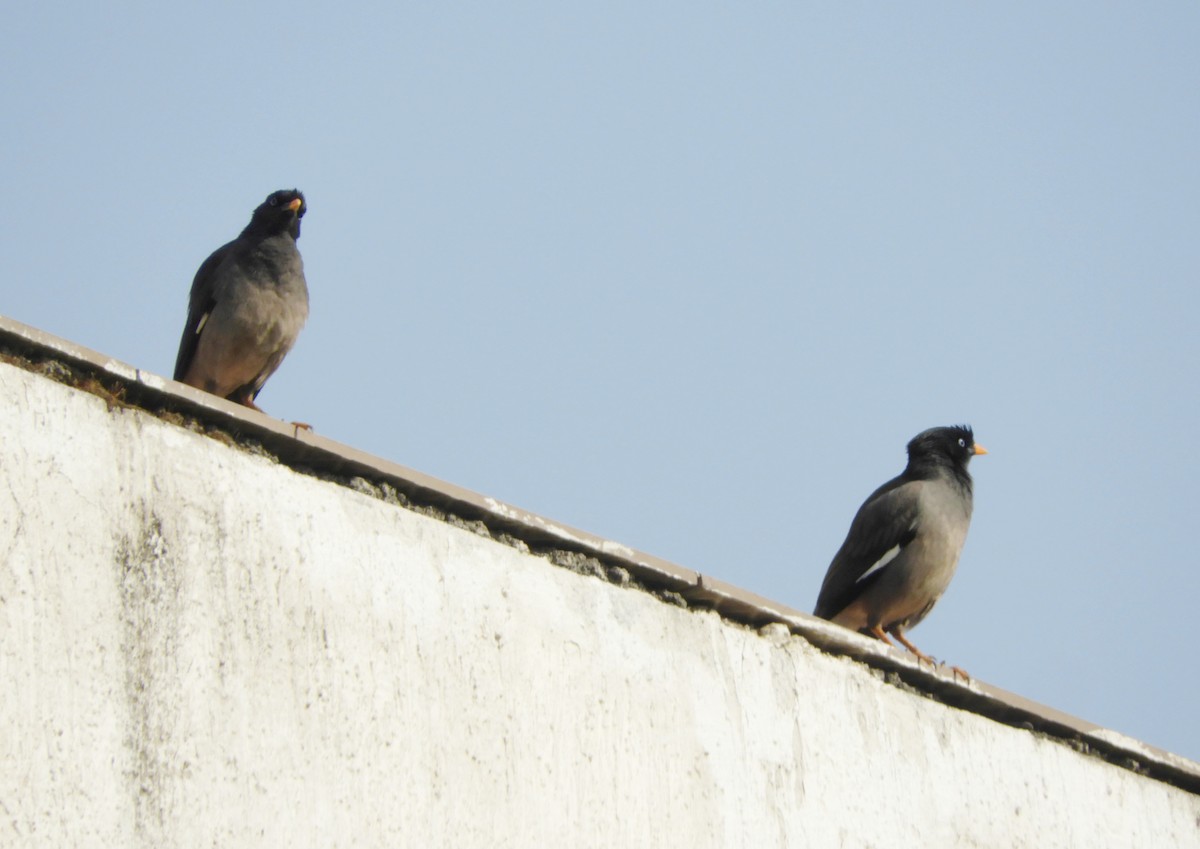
201,647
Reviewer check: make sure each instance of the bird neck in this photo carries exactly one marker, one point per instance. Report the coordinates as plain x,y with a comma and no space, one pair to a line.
265,230
929,468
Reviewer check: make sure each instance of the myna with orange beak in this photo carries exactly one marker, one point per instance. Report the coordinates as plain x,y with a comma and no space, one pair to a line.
248,303
903,545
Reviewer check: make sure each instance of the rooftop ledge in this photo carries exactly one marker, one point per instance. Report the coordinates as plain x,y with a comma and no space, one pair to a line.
310,453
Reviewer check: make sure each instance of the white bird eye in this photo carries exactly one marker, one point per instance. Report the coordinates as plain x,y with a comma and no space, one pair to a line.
962,443
274,201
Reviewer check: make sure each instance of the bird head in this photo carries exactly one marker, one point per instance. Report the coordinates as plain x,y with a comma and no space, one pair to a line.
941,444
280,212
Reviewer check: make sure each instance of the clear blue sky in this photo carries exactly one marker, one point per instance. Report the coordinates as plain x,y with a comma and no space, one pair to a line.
689,275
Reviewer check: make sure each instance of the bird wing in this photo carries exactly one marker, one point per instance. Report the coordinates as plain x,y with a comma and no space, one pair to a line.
883,526
201,301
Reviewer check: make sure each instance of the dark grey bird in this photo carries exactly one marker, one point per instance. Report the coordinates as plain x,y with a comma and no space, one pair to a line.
248,303
903,545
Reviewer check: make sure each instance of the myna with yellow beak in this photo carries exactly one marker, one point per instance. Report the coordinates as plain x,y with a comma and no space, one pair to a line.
903,545
248,302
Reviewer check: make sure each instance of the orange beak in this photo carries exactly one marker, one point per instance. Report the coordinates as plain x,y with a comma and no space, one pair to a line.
979,449
294,205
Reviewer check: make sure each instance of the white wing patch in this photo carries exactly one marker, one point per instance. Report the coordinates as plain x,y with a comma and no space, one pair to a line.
888,556
203,321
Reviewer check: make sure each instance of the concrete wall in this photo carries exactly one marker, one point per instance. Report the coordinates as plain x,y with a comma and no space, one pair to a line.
200,646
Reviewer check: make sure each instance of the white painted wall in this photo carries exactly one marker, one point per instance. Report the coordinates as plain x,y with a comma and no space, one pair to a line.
200,647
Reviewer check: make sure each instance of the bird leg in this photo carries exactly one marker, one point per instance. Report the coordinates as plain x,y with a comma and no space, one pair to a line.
898,633
876,631
245,397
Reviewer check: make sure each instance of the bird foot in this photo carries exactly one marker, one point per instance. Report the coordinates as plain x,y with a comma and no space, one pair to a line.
299,426
913,650
924,658
959,672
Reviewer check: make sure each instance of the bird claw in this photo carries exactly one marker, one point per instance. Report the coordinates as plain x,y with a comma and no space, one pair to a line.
299,426
959,672
925,658
921,657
